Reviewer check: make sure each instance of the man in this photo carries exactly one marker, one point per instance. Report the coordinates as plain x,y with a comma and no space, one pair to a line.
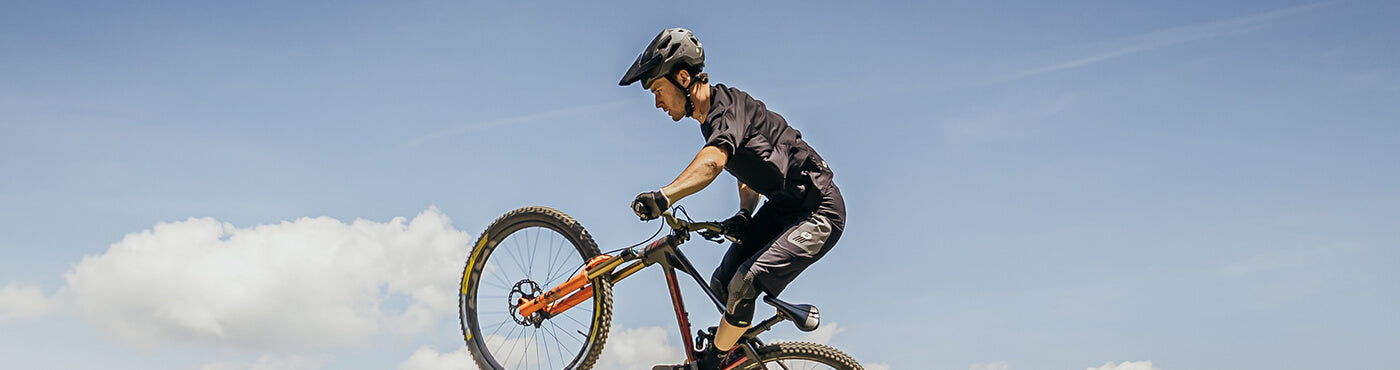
804,214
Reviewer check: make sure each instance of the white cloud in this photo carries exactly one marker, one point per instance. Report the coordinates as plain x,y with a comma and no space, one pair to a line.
275,362
309,284
1130,365
428,358
626,349
18,302
823,334
999,365
878,366
639,348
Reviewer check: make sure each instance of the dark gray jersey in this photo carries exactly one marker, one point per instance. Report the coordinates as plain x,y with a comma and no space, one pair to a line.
764,152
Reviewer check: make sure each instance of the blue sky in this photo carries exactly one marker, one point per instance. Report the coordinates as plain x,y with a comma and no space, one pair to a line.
1031,185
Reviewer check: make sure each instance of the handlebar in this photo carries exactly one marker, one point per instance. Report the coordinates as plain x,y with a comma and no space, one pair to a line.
710,230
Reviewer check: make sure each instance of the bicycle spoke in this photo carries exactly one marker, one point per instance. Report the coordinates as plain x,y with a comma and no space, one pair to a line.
542,358
538,347
567,333
559,270
562,359
506,340
563,272
501,325
549,269
530,347
500,276
518,264
524,352
571,318
497,285
530,251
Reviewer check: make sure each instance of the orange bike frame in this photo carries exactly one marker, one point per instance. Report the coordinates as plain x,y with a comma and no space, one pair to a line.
578,285
579,288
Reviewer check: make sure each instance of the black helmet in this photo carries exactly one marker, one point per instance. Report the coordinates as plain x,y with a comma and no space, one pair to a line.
673,47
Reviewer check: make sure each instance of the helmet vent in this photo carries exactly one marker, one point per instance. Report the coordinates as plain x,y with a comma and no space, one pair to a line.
672,52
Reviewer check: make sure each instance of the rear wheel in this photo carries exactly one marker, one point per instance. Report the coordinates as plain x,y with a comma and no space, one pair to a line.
522,254
802,356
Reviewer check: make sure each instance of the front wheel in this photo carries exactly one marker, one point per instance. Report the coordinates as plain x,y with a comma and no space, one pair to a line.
522,254
802,356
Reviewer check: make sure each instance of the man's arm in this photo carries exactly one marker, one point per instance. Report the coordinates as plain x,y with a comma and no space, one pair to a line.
701,171
748,199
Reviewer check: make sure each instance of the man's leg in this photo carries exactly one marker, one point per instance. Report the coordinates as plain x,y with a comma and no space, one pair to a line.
738,309
771,270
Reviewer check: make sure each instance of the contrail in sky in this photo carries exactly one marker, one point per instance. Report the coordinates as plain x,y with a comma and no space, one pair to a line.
553,114
1172,36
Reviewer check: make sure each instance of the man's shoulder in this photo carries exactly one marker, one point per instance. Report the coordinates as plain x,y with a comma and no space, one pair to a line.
728,98
731,93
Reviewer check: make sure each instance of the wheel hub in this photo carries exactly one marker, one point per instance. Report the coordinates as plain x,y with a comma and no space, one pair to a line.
523,290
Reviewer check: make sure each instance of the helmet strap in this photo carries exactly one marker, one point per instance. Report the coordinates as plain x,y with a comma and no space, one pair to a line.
689,105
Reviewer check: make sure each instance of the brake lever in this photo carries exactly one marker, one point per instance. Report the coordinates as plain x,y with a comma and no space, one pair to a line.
711,235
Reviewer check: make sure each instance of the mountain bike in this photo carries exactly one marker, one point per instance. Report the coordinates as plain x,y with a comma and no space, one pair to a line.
537,294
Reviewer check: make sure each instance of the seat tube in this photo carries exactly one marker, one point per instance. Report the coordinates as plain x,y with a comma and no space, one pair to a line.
682,317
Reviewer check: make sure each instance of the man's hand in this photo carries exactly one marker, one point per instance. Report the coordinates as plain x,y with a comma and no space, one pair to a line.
649,205
733,228
734,225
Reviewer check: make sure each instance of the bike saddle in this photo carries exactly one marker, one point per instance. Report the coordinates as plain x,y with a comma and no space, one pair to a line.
803,315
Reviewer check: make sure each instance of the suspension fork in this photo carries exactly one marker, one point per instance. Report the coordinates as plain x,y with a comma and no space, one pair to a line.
579,288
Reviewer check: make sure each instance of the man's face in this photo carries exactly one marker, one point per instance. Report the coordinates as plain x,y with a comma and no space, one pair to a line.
669,98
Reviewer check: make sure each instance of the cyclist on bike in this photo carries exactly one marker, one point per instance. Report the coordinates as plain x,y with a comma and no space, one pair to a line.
804,214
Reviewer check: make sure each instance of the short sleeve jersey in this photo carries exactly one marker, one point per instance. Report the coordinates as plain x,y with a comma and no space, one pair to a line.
764,152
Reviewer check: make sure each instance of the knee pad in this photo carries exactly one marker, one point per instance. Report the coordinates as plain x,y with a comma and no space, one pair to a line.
740,314
742,294
720,289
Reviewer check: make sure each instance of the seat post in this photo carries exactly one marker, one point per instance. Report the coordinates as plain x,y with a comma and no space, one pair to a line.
766,325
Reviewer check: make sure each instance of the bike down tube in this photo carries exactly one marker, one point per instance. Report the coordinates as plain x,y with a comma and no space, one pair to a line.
690,270
682,317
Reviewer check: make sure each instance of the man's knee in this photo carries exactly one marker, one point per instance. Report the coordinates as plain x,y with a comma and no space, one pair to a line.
742,292
720,288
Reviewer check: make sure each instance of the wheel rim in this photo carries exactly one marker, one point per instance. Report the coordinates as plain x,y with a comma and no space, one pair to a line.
795,364
523,264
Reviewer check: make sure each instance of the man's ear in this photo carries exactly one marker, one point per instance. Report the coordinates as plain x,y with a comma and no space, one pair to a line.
683,76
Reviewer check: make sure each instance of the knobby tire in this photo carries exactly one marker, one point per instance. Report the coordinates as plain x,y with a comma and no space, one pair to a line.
802,356
514,243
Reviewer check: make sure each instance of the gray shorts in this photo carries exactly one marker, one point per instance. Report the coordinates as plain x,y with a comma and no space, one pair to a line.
778,244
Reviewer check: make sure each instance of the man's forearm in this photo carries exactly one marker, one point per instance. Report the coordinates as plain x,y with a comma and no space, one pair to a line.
748,199
699,174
